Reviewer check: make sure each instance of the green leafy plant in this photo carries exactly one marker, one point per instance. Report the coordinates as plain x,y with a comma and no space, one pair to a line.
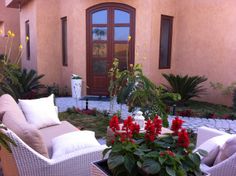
21,83
234,100
186,86
151,153
5,140
133,88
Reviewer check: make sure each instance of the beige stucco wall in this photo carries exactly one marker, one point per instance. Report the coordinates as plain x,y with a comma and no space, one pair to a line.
9,19
146,45
202,44
205,43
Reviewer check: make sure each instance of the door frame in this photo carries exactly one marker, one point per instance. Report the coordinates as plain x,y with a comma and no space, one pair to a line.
103,6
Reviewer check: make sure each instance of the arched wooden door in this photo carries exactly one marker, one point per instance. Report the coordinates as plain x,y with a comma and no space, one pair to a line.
108,27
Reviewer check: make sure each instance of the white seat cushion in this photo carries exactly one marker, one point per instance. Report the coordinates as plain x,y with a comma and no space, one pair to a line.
74,141
40,112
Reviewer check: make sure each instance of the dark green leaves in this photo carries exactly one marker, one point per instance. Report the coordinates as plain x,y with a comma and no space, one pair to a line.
151,166
114,161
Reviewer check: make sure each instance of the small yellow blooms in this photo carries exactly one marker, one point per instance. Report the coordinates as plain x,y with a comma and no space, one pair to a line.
129,38
9,33
1,31
27,38
20,47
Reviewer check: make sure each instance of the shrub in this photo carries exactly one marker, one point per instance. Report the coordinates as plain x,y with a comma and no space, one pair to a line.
21,83
186,86
134,89
234,100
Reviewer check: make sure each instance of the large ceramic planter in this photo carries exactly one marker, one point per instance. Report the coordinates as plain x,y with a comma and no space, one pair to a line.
76,87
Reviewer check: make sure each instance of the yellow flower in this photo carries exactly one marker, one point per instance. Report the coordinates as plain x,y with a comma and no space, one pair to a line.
9,33
1,31
27,38
129,38
20,47
12,34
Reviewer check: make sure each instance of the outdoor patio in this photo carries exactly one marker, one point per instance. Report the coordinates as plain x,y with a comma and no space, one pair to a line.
193,123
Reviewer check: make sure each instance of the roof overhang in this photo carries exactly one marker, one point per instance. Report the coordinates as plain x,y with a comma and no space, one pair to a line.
15,3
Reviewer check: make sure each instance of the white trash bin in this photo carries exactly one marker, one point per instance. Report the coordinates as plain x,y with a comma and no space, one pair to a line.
76,86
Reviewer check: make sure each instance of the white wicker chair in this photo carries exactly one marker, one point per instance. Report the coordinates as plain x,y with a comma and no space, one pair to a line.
225,168
31,163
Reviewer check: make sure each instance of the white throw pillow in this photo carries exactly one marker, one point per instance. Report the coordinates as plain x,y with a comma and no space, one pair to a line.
40,112
227,150
212,147
71,142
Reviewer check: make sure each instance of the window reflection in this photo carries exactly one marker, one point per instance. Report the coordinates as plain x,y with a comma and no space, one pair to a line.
100,49
121,33
99,17
122,16
100,67
121,50
99,33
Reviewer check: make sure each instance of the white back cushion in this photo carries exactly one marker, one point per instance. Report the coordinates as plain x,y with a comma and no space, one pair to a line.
40,112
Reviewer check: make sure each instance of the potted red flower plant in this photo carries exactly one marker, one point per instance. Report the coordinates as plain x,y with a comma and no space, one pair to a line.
150,152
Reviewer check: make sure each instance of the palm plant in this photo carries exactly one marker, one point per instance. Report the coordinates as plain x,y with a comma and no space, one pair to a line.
186,86
20,84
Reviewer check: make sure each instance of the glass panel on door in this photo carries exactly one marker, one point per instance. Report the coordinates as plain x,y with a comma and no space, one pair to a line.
99,49
99,33
121,17
100,67
99,17
121,33
121,50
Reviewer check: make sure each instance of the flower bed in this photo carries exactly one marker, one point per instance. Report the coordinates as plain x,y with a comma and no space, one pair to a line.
134,153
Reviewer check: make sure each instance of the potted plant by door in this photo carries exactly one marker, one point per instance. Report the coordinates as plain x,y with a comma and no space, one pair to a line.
76,86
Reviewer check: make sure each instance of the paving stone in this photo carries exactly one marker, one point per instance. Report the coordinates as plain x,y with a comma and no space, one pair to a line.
193,123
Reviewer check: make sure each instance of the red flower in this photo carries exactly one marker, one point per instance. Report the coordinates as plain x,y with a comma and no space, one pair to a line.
183,139
176,125
167,152
170,153
150,131
135,128
158,124
114,123
128,122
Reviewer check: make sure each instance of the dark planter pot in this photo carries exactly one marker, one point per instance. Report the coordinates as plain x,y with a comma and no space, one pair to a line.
100,168
103,167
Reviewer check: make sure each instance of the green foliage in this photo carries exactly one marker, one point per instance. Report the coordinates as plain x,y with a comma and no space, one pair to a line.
133,88
186,86
234,100
161,157
5,140
226,90
20,83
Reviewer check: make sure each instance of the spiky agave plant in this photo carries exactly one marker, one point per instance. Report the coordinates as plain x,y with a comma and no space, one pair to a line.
186,86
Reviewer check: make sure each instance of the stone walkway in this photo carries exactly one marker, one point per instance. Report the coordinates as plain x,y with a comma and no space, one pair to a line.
190,122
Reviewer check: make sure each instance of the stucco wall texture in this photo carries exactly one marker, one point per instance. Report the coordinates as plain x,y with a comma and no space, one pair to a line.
203,41
9,20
